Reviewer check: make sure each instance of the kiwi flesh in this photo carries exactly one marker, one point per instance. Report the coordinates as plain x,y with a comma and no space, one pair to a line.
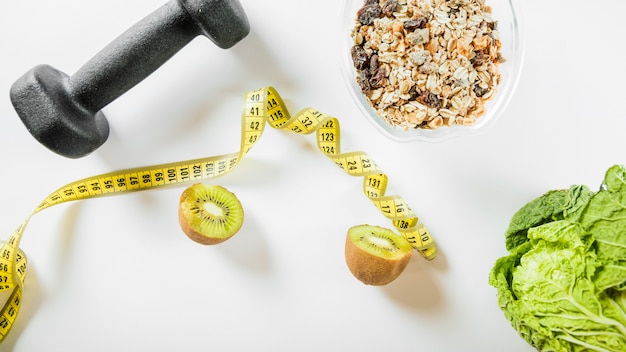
376,255
209,214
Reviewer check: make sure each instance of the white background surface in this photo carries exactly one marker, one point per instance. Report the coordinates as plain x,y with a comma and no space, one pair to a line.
117,274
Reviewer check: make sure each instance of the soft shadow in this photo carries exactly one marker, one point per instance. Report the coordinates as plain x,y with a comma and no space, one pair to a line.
256,68
33,293
32,297
248,248
66,240
251,171
416,288
259,65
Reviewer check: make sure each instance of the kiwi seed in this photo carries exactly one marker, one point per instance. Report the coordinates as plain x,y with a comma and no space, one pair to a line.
209,214
376,255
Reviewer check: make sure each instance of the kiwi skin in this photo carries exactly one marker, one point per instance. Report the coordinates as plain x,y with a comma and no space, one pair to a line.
372,268
205,236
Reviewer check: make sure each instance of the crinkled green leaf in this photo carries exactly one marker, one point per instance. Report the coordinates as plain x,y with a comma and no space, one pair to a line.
605,219
521,318
579,197
562,285
551,206
536,212
615,179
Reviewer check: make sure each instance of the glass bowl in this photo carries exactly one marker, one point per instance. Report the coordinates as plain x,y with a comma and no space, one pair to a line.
505,12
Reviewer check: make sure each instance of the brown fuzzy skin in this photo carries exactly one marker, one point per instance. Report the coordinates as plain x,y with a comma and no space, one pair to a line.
371,269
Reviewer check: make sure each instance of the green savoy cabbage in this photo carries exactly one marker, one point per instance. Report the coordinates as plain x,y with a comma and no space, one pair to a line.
563,284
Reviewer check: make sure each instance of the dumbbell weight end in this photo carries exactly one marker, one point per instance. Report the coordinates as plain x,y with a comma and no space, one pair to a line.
52,117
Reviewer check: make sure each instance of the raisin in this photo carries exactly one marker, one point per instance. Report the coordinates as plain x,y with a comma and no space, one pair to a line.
480,91
479,58
376,80
374,63
389,8
423,124
359,57
364,82
414,93
368,13
432,100
415,23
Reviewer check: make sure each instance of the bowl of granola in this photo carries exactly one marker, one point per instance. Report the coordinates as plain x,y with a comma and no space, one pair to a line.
431,69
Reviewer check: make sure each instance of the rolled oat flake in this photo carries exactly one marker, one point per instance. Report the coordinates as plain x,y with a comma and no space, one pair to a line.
427,63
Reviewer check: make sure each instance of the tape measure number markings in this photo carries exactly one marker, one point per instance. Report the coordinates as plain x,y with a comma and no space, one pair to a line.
260,107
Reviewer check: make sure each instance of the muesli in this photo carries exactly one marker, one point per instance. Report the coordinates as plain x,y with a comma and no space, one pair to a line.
427,63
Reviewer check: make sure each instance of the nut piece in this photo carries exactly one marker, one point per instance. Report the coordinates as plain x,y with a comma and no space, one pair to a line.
427,63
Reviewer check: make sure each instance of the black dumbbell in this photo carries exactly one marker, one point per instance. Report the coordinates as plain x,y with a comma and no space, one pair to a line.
63,112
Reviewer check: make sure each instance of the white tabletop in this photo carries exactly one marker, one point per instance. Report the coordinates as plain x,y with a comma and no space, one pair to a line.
117,274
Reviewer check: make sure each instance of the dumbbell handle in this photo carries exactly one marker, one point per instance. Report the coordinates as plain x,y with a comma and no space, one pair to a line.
132,56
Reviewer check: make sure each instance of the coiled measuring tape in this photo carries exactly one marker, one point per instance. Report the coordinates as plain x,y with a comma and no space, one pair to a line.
260,106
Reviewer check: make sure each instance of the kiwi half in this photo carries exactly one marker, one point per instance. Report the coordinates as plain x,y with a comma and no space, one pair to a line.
376,255
209,214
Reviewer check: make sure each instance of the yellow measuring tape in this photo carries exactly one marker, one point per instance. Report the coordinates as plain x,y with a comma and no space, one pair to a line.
260,106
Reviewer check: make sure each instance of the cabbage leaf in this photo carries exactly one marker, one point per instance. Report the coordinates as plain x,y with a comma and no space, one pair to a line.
563,284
